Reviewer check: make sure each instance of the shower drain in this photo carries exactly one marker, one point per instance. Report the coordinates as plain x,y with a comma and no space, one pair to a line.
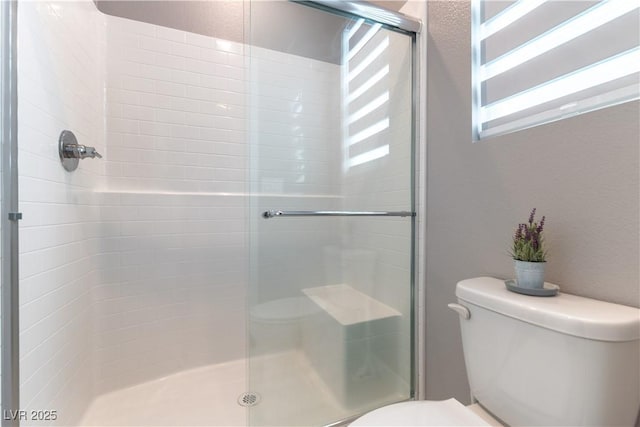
248,399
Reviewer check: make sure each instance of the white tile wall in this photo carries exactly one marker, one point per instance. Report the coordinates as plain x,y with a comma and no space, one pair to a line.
60,68
174,283
294,150
172,290
177,114
294,133
175,110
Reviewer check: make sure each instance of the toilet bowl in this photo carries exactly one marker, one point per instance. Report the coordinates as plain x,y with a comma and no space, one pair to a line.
427,413
550,361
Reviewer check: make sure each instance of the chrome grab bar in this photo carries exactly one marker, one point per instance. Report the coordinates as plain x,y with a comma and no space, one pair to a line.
275,214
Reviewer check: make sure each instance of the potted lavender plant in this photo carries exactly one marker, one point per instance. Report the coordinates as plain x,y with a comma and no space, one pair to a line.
529,253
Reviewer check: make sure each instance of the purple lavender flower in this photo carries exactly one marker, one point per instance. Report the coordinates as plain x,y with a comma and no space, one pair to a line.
541,226
528,241
518,234
533,212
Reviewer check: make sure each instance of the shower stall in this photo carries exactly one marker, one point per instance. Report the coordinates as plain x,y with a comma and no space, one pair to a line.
209,212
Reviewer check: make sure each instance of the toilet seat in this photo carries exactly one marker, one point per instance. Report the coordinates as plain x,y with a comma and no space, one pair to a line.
422,413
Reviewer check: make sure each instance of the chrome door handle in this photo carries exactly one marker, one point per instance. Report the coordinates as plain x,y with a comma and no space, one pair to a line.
275,214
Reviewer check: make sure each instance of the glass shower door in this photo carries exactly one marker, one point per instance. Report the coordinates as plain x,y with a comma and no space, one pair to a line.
330,215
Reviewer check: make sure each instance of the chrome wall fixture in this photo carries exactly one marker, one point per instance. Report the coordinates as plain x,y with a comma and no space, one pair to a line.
71,152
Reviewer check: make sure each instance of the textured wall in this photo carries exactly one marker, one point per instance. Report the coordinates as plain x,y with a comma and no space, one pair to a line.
581,172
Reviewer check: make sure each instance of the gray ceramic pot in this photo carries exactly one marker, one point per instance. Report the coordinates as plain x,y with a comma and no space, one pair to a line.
530,274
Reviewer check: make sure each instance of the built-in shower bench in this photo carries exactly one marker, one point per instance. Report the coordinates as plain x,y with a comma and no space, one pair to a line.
353,344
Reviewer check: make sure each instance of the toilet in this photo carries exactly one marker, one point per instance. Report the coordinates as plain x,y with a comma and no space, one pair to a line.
545,361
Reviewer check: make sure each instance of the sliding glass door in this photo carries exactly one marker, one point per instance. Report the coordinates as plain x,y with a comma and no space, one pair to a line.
330,215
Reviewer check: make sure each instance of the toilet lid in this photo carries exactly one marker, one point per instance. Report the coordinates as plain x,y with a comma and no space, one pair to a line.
283,310
421,413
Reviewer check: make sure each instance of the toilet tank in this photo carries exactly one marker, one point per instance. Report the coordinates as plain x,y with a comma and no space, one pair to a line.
550,361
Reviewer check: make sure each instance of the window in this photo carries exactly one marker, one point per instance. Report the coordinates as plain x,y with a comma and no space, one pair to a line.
536,61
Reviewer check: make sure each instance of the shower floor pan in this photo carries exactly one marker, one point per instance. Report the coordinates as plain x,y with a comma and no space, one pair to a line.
196,397
288,386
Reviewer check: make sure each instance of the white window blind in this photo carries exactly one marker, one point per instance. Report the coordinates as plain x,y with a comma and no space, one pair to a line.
365,93
536,61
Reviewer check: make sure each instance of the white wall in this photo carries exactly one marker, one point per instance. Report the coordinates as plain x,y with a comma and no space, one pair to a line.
60,70
581,172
